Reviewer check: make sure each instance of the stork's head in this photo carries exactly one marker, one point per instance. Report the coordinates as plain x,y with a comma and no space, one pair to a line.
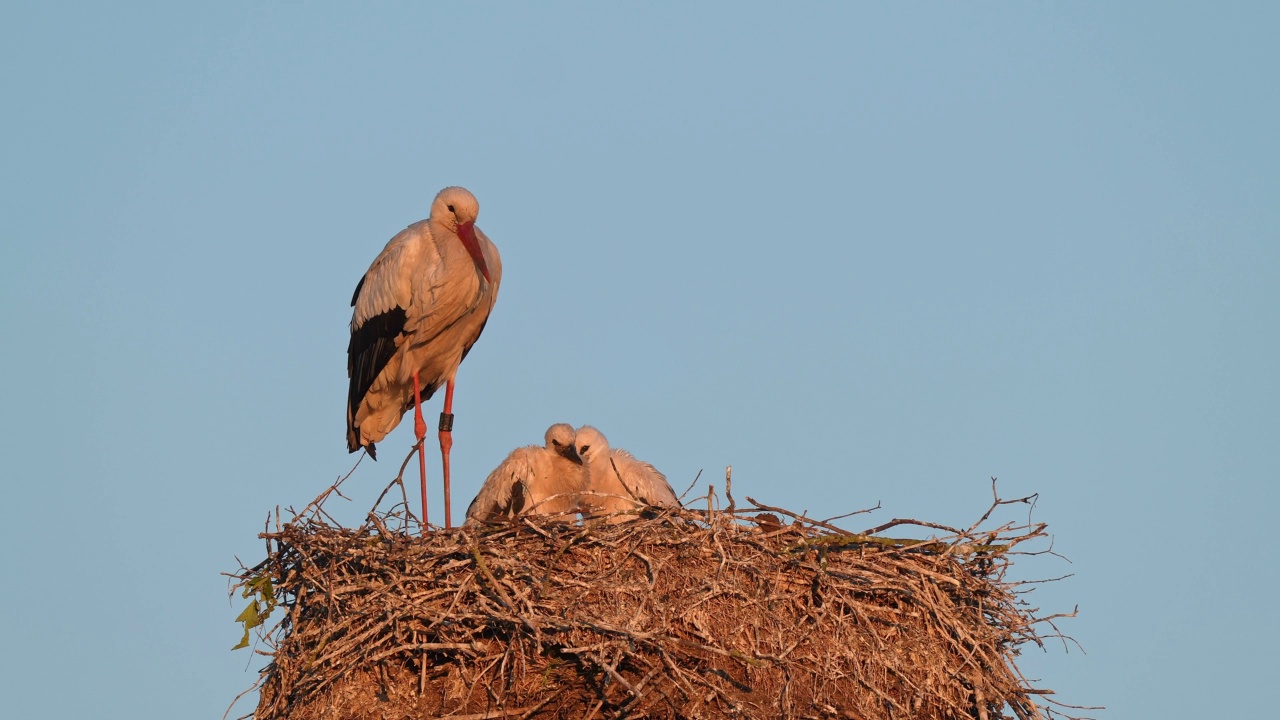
560,440
457,209
591,444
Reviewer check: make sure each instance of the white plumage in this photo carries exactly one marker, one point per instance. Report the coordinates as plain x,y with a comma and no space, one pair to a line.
533,480
616,480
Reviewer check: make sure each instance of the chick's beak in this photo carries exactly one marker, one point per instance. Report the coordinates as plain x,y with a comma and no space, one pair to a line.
572,454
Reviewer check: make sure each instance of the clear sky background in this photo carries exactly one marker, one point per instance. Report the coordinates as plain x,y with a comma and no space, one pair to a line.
862,252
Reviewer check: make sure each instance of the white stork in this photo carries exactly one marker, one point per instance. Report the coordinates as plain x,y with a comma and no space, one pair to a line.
616,480
535,480
418,310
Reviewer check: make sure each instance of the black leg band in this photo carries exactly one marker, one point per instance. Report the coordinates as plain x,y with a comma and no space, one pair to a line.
446,422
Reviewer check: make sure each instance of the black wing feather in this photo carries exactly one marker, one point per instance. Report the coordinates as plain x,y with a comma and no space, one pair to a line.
371,348
355,295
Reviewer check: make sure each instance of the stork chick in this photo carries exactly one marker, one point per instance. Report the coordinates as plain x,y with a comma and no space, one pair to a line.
533,480
616,481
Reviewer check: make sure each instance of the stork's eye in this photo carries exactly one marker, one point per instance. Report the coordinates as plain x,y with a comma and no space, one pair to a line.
583,449
556,443
451,208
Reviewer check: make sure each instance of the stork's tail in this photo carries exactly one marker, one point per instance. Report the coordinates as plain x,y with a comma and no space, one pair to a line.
353,443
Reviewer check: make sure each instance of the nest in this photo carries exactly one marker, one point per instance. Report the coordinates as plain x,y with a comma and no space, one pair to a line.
757,613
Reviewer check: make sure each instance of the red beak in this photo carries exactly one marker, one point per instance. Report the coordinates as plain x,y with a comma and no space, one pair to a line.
467,233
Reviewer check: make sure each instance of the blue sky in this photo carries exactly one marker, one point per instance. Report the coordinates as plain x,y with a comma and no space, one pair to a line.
862,252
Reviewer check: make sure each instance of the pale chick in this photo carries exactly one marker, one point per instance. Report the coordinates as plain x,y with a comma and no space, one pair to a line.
616,481
534,481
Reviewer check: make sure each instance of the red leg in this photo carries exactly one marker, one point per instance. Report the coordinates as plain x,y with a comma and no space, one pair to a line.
446,443
420,430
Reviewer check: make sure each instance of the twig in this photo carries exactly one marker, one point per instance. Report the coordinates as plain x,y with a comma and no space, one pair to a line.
686,490
315,504
906,521
855,512
801,518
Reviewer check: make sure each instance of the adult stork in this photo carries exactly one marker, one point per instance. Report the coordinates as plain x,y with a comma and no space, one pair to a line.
616,480
418,310
534,480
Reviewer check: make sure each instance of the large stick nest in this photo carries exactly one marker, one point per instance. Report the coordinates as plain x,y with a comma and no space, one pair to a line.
676,614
